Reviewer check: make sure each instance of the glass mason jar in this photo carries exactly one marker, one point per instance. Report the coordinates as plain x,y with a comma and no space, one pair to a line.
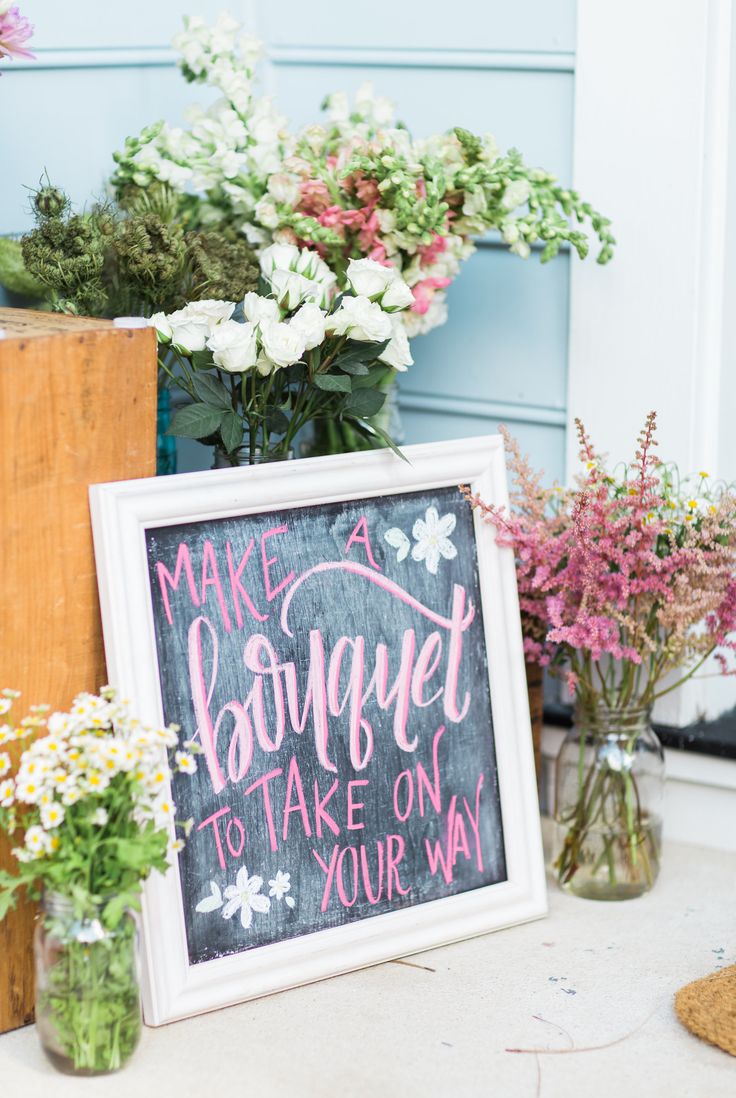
609,789
223,460
88,1011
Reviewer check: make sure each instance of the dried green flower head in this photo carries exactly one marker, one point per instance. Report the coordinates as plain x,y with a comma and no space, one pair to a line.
220,267
50,202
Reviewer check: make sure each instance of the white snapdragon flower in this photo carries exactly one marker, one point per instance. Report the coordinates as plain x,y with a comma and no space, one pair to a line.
266,212
257,308
233,346
284,188
397,354
516,193
361,319
310,322
282,344
338,107
374,108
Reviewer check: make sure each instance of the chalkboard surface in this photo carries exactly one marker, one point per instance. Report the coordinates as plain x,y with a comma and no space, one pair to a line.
330,660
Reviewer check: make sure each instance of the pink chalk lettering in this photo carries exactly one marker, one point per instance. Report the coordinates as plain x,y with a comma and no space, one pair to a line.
431,789
353,693
441,856
320,814
392,865
316,698
238,824
240,751
237,590
459,838
371,896
408,777
364,538
216,831
342,894
183,561
474,821
272,592
399,693
252,658
385,584
262,784
294,783
202,696
458,625
423,670
355,806
329,872
211,578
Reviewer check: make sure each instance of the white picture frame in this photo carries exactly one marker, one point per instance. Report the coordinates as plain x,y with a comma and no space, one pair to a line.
121,514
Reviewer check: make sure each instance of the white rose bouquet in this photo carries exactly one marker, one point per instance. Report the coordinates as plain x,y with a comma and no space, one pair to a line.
301,353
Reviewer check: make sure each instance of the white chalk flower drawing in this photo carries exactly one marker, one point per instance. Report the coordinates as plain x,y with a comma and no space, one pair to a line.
432,539
212,902
279,886
398,540
246,897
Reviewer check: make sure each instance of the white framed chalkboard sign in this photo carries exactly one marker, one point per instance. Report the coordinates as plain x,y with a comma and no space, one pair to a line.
342,637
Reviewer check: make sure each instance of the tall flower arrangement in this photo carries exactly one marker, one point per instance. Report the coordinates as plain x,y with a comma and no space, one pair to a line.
358,186
627,586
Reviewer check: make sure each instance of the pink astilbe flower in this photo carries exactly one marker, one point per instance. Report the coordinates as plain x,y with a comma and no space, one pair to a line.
621,579
15,30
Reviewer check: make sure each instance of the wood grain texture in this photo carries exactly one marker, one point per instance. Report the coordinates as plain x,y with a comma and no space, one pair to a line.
77,406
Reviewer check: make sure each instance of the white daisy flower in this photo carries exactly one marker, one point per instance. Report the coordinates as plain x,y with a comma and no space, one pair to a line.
99,817
52,815
28,790
7,793
245,896
4,763
185,762
432,537
35,840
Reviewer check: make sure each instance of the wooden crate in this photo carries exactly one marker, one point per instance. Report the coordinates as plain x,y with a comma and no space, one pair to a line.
77,406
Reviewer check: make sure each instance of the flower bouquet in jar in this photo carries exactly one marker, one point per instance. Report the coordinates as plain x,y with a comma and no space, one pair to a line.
627,588
85,797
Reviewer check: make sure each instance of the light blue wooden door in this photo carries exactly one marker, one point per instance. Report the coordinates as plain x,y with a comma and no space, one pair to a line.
492,66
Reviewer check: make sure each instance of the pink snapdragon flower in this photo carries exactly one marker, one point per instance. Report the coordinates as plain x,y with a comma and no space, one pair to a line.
15,29
424,291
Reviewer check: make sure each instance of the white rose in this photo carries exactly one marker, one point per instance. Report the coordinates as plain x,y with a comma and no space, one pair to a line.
257,308
188,332
282,344
292,288
313,266
397,296
279,257
361,319
368,277
309,322
233,346
284,188
160,322
397,354
210,311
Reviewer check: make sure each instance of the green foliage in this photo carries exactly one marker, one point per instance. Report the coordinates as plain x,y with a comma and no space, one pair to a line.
134,260
13,273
